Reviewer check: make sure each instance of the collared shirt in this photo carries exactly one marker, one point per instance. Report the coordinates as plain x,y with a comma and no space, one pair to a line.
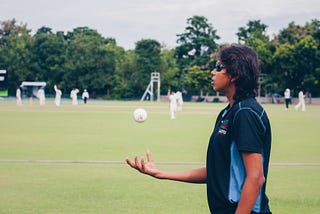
244,127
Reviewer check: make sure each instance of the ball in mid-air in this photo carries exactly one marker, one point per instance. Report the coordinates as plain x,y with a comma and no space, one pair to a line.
140,115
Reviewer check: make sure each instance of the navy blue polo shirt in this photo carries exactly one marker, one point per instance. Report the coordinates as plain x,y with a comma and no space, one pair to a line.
244,127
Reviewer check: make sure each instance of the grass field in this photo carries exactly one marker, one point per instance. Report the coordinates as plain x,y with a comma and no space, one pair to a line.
71,159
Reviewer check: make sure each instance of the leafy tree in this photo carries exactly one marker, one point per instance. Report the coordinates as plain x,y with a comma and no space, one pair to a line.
90,64
168,70
148,60
290,35
15,42
126,65
307,53
254,35
297,57
296,65
48,56
254,30
196,45
200,79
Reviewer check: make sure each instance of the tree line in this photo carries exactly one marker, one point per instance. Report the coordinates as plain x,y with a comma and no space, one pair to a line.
84,59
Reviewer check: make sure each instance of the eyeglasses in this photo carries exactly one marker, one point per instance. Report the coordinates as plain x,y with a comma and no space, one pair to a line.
219,66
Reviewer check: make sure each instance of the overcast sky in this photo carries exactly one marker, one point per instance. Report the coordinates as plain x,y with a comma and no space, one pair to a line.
129,21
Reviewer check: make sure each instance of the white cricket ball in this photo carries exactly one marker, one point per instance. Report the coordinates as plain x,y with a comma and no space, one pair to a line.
140,115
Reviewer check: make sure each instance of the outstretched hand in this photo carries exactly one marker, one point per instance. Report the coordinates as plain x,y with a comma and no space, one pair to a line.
148,167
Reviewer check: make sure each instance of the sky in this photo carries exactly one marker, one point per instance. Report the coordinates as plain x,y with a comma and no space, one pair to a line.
129,21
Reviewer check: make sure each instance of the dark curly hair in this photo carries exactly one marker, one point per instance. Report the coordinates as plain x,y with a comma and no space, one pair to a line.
242,63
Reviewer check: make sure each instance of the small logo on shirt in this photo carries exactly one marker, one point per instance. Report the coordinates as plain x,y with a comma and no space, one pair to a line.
224,127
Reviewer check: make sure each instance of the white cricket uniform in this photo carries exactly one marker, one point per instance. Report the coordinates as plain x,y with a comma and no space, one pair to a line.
179,100
41,96
173,105
301,102
18,95
74,97
57,99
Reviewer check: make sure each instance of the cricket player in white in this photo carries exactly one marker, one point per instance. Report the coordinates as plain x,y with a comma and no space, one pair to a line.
179,101
301,102
173,104
74,97
57,99
41,96
18,96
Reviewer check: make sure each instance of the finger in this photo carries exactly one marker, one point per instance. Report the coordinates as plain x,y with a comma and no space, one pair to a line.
129,162
137,164
149,158
143,164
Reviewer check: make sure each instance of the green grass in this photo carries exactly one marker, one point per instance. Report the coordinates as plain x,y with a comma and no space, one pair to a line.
105,131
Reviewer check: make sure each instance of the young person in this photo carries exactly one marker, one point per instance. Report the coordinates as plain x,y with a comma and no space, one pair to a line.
239,148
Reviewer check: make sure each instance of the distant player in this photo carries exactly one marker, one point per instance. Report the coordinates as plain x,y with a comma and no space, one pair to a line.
18,97
287,98
301,102
57,99
74,96
85,96
179,101
173,104
41,96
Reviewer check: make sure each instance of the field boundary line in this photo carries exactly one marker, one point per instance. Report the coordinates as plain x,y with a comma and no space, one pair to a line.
158,163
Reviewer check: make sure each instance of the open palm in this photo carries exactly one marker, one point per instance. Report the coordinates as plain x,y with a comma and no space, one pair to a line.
148,167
